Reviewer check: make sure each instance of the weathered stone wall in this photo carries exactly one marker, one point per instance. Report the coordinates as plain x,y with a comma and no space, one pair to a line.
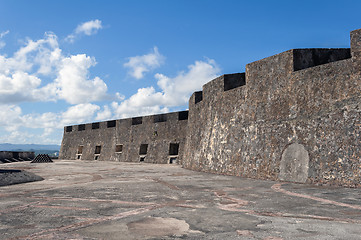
292,120
156,131
294,116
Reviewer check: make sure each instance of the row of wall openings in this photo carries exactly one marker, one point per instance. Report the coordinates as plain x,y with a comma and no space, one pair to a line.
160,118
97,152
111,124
143,149
137,120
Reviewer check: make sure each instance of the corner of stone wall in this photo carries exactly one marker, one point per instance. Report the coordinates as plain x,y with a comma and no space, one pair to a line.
356,44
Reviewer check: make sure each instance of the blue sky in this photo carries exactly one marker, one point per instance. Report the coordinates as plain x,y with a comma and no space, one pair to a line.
69,62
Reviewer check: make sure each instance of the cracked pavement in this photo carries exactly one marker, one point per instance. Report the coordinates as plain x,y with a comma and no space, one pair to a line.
118,200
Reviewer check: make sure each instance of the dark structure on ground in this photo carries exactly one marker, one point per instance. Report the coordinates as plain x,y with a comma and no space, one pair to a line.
12,156
42,158
14,176
294,116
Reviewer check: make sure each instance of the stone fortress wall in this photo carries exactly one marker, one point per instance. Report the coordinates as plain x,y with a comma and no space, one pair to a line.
294,116
154,139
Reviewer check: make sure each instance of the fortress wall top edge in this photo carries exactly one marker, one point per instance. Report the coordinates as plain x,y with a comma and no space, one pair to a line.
223,83
148,119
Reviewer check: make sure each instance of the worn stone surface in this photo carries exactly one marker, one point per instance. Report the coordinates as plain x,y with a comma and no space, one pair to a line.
122,200
240,124
294,164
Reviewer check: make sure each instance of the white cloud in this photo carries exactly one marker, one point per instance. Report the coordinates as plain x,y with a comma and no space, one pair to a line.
3,34
139,65
21,76
79,114
87,28
10,117
16,87
174,91
14,123
17,137
105,114
73,84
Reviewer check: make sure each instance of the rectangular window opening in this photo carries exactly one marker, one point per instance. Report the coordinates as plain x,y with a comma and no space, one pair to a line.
137,120
111,124
81,127
160,118
173,149
141,159
97,149
119,148
95,125
69,129
172,160
80,150
143,149
183,115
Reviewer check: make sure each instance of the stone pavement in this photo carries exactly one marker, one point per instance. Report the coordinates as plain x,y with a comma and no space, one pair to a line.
114,200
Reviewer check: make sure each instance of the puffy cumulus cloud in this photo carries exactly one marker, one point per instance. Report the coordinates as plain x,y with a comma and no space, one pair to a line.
17,137
22,75
125,110
79,114
139,65
105,114
13,119
174,91
41,56
87,28
72,83
15,87
10,117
